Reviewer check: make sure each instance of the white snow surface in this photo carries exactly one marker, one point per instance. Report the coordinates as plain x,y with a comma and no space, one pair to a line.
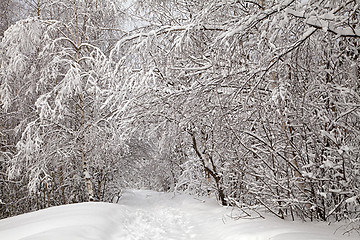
147,215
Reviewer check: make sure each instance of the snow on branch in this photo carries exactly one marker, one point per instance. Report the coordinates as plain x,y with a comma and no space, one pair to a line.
328,21
317,22
251,21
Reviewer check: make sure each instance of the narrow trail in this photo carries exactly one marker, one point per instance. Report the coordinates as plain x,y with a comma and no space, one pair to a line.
152,216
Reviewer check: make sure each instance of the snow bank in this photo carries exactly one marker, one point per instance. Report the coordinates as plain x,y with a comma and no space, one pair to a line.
142,215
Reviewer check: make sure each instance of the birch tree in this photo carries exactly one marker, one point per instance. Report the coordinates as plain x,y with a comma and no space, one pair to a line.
63,77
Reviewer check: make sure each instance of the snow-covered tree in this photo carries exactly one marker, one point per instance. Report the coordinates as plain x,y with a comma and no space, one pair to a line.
53,80
258,92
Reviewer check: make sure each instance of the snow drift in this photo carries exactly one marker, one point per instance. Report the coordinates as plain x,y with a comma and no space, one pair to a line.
149,215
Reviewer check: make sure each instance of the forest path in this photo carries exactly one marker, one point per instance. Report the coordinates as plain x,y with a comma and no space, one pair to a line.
152,216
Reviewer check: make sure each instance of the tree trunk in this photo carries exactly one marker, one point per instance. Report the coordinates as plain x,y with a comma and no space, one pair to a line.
208,171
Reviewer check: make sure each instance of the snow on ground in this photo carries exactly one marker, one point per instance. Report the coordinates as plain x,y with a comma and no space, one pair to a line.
147,215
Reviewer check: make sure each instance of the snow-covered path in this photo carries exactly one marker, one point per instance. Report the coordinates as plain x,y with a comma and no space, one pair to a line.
152,216
147,215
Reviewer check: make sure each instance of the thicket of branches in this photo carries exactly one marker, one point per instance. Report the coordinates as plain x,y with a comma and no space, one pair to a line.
256,102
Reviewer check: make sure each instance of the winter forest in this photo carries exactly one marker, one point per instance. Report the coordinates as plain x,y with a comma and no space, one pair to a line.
256,102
